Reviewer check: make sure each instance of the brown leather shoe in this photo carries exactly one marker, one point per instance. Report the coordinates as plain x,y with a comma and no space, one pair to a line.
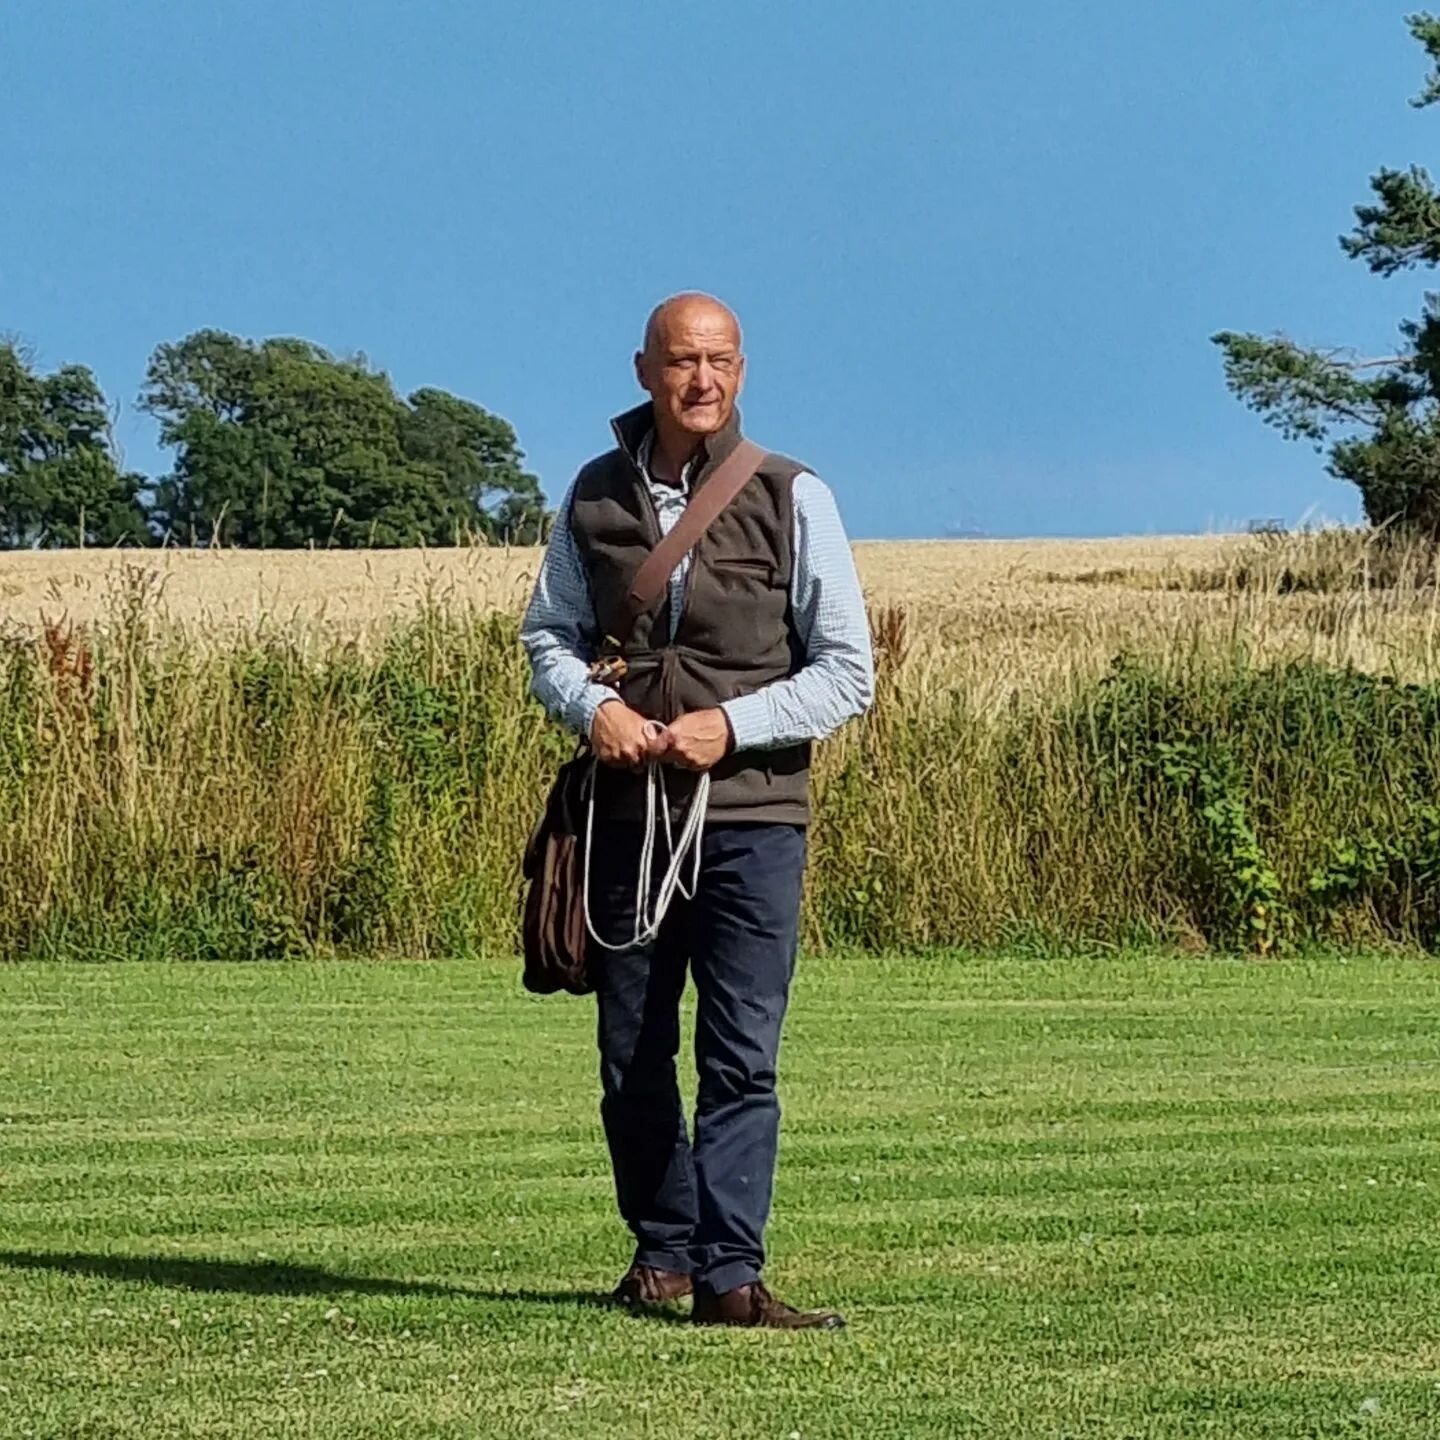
645,1286
755,1305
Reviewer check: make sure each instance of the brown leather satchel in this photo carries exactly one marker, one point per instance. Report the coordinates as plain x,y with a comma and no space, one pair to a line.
556,946
554,918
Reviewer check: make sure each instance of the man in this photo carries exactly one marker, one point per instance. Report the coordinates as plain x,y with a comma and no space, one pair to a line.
760,646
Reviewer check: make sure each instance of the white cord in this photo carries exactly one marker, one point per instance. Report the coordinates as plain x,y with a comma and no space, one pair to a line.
650,914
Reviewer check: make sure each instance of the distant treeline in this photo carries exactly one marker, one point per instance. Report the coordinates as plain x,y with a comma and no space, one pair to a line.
277,443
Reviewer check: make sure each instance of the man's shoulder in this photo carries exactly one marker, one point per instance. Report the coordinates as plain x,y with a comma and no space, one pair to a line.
600,472
805,487
780,466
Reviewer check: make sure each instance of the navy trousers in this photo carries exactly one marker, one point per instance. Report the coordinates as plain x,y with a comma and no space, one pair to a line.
699,1208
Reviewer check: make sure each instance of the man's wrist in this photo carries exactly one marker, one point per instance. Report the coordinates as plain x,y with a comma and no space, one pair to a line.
748,717
588,706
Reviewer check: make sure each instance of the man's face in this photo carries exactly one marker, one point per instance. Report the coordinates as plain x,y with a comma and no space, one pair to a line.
692,366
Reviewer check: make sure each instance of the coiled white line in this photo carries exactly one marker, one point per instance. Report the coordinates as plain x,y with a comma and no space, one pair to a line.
650,914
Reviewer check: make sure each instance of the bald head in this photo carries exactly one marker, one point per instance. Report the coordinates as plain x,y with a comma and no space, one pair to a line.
691,364
681,311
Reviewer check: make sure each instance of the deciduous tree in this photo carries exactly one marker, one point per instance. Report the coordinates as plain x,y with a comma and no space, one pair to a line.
279,443
60,479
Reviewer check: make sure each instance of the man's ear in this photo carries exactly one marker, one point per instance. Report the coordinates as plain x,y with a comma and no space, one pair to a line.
740,377
640,369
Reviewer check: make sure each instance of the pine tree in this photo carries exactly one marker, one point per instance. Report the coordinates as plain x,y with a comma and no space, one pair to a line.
1381,416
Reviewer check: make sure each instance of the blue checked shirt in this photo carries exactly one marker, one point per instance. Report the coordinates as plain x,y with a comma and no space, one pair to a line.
836,682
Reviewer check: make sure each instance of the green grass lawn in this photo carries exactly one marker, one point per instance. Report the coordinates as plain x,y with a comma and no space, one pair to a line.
1122,1198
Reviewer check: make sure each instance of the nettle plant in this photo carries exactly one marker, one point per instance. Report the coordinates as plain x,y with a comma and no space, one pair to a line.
1380,417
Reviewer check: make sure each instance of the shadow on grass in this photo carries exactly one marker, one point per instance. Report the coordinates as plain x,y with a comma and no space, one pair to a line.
271,1277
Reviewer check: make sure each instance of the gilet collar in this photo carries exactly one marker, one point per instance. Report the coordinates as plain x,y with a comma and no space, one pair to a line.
633,426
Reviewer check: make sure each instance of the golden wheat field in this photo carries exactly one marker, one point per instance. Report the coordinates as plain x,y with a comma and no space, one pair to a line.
1000,614
351,590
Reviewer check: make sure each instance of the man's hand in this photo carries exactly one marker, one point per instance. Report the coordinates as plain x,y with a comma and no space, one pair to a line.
621,736
695,741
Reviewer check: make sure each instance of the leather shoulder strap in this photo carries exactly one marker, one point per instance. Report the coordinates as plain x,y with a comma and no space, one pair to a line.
727,480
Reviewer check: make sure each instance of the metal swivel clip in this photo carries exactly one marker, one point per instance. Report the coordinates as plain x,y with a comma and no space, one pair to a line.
609,669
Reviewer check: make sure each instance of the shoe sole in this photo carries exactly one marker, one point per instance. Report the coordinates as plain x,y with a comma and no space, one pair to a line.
831,1322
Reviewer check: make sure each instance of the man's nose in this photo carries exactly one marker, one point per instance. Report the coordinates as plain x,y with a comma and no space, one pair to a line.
704,375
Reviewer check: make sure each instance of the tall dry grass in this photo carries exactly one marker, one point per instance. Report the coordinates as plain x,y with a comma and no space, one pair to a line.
1233,759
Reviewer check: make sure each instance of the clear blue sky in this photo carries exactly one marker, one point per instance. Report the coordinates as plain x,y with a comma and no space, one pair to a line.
978,249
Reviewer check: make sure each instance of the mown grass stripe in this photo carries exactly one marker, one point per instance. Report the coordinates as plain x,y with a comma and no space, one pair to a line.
1124,1197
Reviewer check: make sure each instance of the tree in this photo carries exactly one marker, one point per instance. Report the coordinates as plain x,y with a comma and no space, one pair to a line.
60,481
1386,410
279,443
480,458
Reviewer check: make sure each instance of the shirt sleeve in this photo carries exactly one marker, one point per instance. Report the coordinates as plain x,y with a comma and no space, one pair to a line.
837,680
560,633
